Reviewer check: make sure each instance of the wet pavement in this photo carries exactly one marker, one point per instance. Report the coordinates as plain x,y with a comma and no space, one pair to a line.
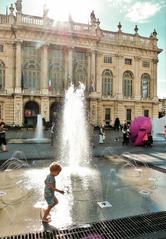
126,188
111,146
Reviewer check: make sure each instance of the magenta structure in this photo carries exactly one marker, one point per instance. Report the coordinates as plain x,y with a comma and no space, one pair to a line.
138,128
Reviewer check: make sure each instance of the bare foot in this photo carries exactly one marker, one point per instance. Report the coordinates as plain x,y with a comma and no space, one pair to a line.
45,220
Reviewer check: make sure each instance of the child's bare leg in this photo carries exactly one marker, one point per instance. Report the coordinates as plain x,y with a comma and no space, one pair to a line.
47,211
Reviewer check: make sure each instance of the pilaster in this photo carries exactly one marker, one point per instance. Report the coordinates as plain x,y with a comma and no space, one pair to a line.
18,67
65,68
18,113
137,80
44,69
154,79
119,75
93,70
9,83
70,65
45,108
93,112
155,110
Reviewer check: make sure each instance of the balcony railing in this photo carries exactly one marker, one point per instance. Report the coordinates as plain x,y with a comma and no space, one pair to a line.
87,29
33,20
31,92
4,19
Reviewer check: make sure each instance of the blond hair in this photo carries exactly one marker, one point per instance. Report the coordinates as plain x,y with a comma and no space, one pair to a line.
55,167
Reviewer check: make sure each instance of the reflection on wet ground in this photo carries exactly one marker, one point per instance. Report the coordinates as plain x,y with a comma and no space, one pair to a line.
128,189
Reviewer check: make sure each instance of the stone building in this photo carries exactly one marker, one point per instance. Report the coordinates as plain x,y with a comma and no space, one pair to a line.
162,107
39,58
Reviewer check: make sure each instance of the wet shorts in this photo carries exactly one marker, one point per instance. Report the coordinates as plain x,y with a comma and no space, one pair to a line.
50,200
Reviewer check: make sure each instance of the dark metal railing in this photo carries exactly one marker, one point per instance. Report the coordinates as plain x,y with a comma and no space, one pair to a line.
151,225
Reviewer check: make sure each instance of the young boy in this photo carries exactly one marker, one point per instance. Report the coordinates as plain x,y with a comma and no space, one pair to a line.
50,188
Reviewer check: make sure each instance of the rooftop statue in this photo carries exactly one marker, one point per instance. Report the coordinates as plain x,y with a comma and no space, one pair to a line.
18,5
45,11
93,17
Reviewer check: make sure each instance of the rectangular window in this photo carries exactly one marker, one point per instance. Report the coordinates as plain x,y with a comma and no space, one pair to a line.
128,61
1,48
108,59
128,115
107,116
146,64
146,113
80,56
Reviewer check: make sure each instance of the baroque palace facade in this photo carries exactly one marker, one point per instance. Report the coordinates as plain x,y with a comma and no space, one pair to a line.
39,59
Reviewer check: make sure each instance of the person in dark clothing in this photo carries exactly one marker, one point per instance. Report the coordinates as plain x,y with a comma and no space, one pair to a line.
125,131
3,137
117,124
150,140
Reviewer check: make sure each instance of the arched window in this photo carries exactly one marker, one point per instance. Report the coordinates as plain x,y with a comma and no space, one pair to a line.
31,75
107,82
56,77
145,85
127,83
2,75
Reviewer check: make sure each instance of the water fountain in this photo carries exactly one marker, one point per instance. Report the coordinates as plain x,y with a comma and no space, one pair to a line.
39,129
158,129
38,138
75,143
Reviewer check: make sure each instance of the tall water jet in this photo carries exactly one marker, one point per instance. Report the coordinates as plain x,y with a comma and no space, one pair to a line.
39,128
75,143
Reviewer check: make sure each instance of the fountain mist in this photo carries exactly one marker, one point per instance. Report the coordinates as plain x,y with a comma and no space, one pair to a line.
75,142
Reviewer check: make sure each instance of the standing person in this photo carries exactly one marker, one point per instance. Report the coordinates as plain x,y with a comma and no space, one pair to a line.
2,122
125,135
145,139
117,124
3,137
101,135
50,188
150,140
128,133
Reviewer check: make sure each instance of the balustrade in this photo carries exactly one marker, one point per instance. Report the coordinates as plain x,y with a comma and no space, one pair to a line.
31,20
127,39
4,19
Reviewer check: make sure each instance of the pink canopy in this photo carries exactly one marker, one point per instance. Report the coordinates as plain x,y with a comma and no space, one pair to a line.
138,128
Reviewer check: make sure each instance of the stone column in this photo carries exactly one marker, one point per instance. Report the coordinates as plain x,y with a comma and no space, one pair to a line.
44,69
9,84
70,65
18,110
119,75
18,68
137,86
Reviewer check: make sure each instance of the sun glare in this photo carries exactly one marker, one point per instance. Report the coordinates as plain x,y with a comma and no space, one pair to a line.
79,10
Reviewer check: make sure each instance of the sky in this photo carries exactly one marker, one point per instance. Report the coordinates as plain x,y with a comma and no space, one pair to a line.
146,14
